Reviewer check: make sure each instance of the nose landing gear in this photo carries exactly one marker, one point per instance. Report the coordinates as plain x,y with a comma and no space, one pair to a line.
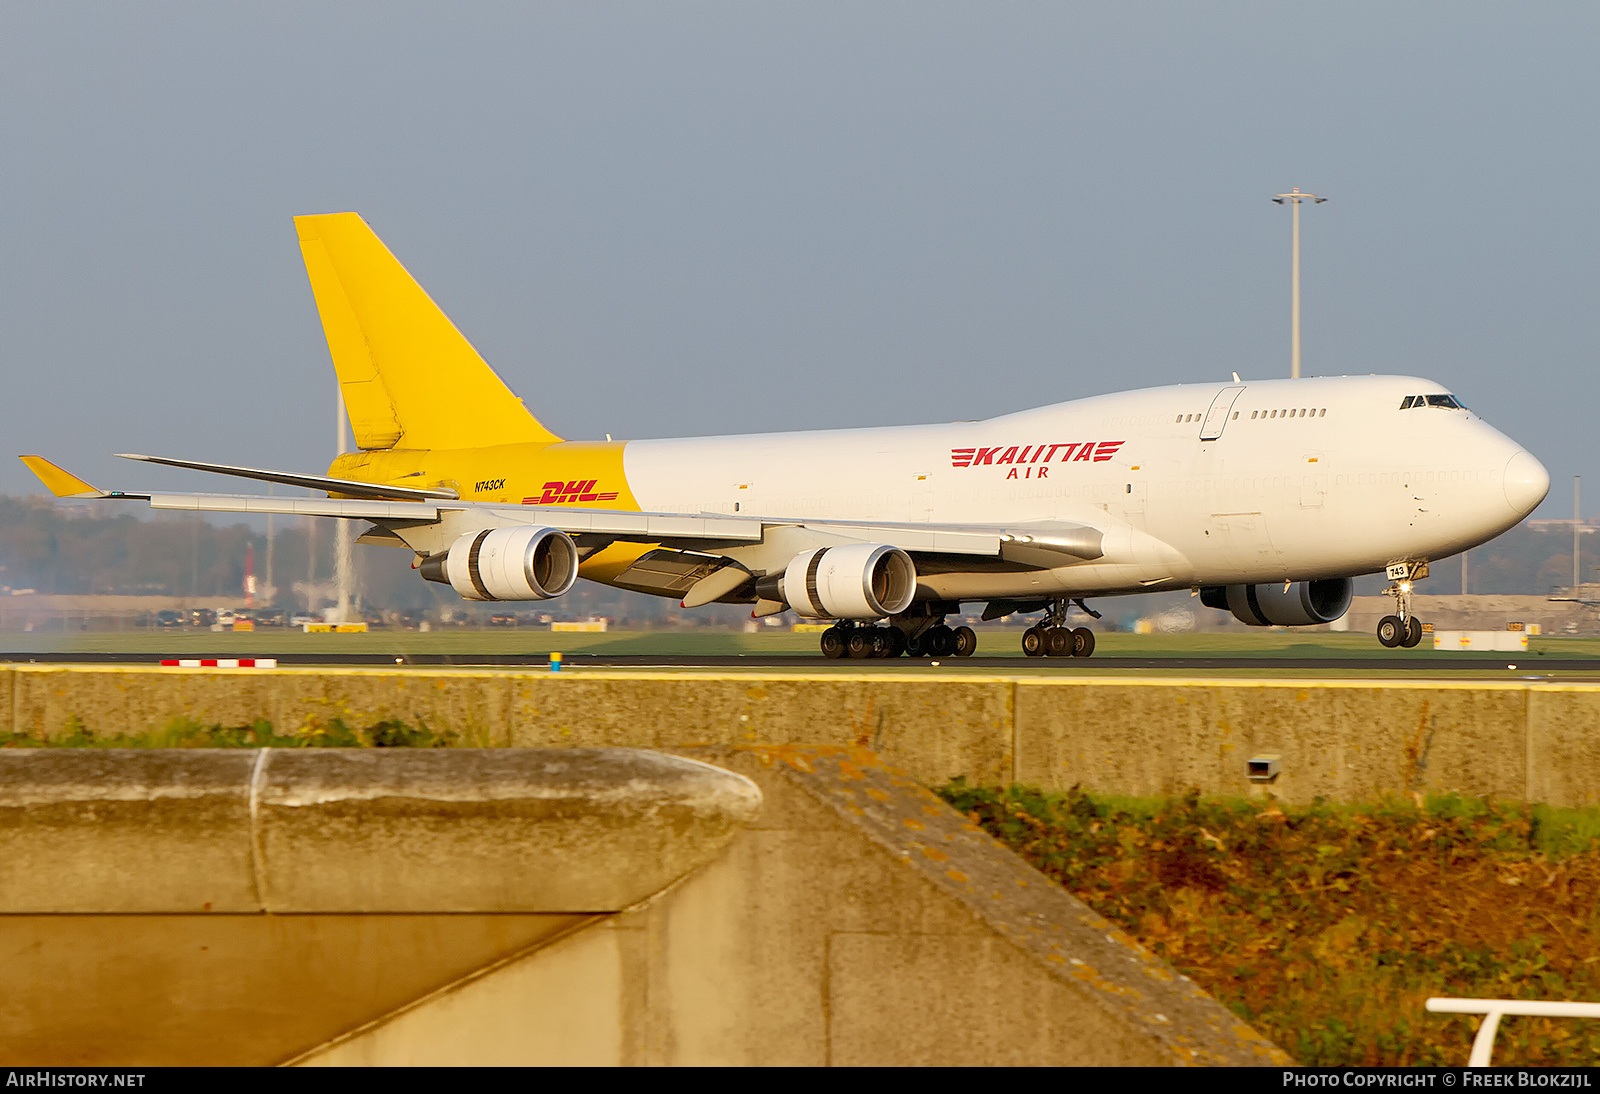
1403,628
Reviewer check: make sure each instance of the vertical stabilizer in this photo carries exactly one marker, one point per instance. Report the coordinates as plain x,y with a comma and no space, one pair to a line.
409,379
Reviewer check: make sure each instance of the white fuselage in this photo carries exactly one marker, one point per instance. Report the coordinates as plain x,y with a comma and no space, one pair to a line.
1199,484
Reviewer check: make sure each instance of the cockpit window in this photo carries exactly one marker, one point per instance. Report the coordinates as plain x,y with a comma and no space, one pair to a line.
1444,402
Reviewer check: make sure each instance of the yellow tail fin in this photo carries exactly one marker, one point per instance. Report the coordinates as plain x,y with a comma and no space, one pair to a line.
409,378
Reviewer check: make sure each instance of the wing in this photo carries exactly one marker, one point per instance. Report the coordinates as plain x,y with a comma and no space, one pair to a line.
699,556
288,478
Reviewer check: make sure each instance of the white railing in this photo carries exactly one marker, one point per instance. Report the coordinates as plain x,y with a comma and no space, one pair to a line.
1492,1009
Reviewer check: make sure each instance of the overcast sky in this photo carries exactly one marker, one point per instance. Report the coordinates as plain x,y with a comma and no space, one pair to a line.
667,219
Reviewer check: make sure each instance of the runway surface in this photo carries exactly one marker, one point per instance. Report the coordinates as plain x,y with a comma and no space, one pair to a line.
1424,663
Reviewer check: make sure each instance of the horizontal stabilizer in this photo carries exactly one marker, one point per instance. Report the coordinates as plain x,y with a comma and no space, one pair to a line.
287,478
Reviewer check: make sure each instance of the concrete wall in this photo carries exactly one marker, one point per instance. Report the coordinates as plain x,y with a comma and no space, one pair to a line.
858,921
560,906
1341,740
204,906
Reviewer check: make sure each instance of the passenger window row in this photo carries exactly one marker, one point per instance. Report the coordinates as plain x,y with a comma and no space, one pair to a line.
1298,412
1301,412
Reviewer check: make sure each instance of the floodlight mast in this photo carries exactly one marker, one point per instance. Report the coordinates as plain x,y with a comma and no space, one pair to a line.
1294,198
343,563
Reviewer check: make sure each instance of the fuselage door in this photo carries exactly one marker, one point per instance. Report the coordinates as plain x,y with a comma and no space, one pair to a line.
922,496
1314,481
1217,416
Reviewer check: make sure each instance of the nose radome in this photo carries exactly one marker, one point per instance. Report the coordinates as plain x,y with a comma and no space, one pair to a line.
1527,482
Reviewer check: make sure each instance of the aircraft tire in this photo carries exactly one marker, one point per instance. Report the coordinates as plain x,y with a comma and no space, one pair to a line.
1033,642
1391,631
941,641
966,641
1058,642
833,643
917,645
1413,633
898,643
860,644
882,643
1082,642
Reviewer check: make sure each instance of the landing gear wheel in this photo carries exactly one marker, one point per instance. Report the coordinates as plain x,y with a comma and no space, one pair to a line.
833,643
966,641
860,643
897,641
1033,642
1058,642
917,645
941,641
1082,642
1391,631
882,644
1413,632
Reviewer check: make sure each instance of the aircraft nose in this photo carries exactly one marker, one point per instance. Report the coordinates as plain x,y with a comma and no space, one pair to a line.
1527,482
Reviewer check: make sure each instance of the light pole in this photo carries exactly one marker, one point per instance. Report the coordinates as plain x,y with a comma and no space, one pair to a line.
1294,198
341,543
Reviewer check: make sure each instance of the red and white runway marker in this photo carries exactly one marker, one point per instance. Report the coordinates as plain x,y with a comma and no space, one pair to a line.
223,663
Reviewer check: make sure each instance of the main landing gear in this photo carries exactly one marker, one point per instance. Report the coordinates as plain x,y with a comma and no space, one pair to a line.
926,637
1051,637
1403,628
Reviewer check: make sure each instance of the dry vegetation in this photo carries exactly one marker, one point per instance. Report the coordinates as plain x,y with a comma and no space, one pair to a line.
1327,926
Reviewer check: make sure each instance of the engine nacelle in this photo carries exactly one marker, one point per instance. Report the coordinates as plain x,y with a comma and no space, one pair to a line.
1304,604
507,564
855,581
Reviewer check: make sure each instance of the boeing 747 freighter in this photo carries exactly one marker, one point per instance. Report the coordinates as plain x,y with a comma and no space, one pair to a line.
1265,497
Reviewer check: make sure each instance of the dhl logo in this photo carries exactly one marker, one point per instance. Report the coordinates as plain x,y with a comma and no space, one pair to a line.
999,456
570,493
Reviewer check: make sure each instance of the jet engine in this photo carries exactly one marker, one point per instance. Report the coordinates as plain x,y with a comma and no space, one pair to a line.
507,564
1300,605
855,581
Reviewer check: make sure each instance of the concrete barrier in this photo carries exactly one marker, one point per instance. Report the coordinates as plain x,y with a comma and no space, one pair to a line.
1345,741
555,906
236,907
335,830
858,921
1339,739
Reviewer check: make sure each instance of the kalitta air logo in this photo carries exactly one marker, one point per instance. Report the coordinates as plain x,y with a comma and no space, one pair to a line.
576,492
1035,457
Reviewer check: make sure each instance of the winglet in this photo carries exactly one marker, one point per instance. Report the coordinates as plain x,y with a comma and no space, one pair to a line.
63,484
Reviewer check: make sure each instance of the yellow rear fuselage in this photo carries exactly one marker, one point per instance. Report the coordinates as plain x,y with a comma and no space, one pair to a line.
587,474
